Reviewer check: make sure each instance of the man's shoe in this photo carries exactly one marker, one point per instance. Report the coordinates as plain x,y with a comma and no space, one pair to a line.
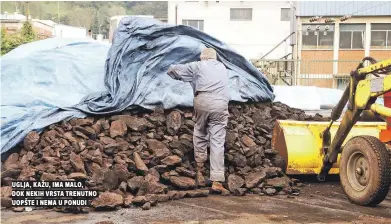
208,182
217,187
200,179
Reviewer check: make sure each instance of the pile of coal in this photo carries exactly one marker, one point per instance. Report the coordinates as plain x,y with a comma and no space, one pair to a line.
144,157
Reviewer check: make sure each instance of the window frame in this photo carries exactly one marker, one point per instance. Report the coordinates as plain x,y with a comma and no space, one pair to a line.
340,81
289,16
303,30
388,33
198,23
230,14
351,36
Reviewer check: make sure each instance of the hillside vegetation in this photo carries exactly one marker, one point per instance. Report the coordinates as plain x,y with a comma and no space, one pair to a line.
90,15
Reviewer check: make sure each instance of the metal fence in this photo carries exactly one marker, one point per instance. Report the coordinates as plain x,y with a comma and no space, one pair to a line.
278,72
324,73
320,73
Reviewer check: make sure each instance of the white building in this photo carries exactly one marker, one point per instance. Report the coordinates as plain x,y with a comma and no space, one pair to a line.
251,28
43,28
65,31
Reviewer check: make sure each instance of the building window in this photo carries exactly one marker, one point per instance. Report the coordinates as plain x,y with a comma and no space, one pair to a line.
342,82
199,24
352,36
317,36
241,14
381,36
285,14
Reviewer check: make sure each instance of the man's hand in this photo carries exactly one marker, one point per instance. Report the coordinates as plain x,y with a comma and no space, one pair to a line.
171,72
183,72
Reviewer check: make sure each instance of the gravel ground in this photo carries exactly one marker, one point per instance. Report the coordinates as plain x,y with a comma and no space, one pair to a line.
318,203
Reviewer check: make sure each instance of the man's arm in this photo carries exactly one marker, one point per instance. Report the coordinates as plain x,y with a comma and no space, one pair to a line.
183,72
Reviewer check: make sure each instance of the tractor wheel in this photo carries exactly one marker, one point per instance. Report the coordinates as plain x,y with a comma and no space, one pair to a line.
365,170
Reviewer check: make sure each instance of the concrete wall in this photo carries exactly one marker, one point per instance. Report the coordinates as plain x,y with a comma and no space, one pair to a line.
11,27
250,38
380,55
43,30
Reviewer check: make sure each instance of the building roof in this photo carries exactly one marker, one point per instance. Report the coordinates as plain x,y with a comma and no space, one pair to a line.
13,16
16,17
45,22
341,8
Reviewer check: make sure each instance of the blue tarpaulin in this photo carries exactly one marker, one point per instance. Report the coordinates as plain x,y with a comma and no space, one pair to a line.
47,81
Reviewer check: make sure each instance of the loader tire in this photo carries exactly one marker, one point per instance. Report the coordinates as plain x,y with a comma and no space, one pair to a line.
365,170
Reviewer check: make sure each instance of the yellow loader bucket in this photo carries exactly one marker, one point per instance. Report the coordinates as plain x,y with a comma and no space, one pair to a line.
300,144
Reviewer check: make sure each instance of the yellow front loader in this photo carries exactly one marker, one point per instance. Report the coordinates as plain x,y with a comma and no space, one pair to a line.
357,151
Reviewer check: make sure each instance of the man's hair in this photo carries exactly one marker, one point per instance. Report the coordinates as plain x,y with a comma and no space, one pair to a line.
208,53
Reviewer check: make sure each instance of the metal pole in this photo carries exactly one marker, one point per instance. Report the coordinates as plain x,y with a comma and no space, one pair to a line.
277,46
27,11
176,14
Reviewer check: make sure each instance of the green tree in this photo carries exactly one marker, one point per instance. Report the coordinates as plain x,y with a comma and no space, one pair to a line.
82,14
64,19
95,26
105,12
105,27
27,32
9,41
116,10
82,17
3,33
157,9
12,41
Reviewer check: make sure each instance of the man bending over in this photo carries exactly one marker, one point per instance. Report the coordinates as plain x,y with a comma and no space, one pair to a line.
209,79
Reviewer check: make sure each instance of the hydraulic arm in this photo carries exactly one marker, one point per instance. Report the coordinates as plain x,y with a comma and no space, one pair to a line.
359,95
357,151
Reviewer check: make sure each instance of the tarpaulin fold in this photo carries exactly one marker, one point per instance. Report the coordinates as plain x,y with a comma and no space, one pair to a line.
47,81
